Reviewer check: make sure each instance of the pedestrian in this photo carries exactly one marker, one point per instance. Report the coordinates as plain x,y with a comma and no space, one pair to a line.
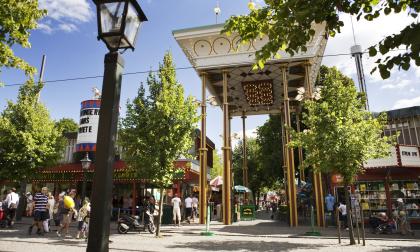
51,203
81,218
12,202
67,215
29,204
126,205
194,207
58,206
188,208
342,213
176,204
273,209
403,223
40,211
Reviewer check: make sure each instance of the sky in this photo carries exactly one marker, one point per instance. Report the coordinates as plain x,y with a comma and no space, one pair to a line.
68,38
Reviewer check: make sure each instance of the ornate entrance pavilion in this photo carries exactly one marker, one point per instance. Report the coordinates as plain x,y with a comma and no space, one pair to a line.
225,66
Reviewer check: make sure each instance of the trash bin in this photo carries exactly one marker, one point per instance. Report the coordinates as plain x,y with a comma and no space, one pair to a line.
167,217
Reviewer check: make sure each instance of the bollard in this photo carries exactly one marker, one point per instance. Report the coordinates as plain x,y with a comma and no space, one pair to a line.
207,232
313,232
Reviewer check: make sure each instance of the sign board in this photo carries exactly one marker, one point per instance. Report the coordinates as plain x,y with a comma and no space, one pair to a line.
248,212
88,125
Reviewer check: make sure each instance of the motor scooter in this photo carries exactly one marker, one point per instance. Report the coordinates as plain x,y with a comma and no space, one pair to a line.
128,222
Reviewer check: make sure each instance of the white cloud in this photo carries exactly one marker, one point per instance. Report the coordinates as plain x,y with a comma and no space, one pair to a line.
65,15
403,103
45,28
67,27
367,33
397,85
417,71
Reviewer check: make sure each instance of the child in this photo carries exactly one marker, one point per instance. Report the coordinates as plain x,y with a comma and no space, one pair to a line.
83,219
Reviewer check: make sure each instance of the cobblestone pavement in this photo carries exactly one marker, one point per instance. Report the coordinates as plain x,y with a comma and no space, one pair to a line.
259,235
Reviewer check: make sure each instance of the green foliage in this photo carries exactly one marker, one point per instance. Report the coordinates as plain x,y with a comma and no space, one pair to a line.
28,138
217,169
271,154
288,25
17,18
65,125
158,127
264,157
255,173
341,136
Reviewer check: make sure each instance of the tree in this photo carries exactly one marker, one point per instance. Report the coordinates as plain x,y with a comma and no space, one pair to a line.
271,154
256,176
28,138
217,169
17,18
158,128
340,136
288,25
65,125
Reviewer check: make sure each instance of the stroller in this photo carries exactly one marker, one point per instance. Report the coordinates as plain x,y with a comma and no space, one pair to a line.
3,216
382,225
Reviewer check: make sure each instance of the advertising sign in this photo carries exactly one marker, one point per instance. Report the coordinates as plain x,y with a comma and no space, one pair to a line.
88,125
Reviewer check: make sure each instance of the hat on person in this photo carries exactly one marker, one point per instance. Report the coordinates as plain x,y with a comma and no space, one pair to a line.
400,200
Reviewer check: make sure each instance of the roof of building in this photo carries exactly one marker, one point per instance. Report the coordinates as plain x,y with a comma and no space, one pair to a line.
404,112
401,113
208,141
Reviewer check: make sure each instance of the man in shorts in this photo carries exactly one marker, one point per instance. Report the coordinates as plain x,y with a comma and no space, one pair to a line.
176,203
40,210
188,209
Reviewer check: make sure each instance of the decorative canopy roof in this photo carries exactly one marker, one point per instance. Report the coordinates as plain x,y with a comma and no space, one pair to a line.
249,91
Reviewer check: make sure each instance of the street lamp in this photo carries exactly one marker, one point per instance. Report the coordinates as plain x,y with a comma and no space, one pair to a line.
85,167
119,22
118,25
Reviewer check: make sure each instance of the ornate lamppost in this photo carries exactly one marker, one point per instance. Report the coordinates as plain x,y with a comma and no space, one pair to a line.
118,25
85,167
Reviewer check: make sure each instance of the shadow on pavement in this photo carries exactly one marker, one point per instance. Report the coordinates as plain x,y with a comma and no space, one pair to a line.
243,245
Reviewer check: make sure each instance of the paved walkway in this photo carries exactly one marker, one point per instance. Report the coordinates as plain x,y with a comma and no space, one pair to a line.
259,235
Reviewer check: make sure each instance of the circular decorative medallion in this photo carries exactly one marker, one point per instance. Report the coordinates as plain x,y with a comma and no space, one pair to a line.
238,46
221,45
202,48
259,42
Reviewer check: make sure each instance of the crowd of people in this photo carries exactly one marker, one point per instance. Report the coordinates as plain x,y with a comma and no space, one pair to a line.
47,210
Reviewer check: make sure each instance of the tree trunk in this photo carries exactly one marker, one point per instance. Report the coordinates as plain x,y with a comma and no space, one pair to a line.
160,212
349,215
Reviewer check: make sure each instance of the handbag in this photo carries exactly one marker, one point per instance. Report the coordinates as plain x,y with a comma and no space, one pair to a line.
12,205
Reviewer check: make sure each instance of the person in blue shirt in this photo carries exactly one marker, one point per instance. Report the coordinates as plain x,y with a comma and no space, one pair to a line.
329,203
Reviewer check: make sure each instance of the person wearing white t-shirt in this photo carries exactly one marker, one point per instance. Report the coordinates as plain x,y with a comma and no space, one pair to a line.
342,210
176,203
194,207
188,208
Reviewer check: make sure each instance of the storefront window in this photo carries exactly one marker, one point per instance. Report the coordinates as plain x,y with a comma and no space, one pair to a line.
409,192
372,197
